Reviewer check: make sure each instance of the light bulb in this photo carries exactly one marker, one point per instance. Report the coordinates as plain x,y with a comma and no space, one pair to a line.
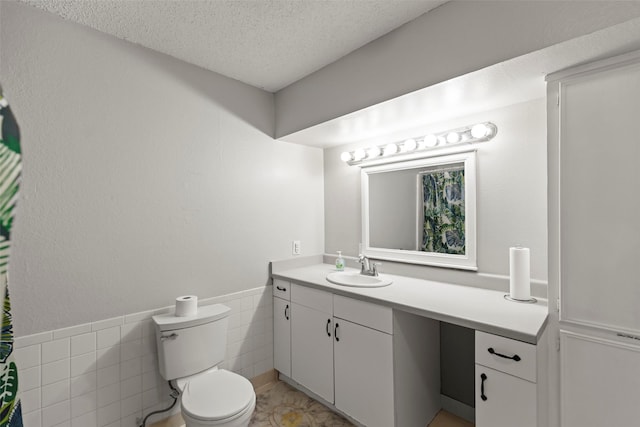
346,156
390,149
453,137
430,141
359,154
373,152
409,145
479,131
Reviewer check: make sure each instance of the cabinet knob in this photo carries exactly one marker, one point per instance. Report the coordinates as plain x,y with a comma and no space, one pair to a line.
335,332
328,329
514,357
286,312
283,289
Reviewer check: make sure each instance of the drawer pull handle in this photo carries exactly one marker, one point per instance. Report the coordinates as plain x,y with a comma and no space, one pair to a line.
286,312
173,336
328,329
483,377
335,332
281,289
514,357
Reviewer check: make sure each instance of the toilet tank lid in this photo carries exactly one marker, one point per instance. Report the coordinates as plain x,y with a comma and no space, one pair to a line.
205,314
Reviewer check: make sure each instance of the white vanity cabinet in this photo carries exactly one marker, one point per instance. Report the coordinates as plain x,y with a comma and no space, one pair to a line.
363,357
379,367
282,326
374,354
312,340
510,382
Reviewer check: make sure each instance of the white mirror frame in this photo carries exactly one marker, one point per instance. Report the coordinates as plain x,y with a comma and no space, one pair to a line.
465,262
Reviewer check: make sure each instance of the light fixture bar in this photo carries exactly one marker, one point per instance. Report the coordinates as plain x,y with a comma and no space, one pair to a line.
422,146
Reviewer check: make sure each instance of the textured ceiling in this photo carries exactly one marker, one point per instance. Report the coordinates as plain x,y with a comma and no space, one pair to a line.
265,43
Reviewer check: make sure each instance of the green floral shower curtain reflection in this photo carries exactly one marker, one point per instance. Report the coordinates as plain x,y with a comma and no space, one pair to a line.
10,168
443,209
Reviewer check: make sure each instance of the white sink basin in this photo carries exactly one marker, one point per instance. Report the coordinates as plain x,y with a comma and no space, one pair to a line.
357,280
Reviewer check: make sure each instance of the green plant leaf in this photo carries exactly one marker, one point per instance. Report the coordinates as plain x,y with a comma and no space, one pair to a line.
9,131
8,391
6,333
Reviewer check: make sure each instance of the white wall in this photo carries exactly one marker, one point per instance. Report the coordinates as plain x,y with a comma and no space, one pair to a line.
454,39
144,177
511,194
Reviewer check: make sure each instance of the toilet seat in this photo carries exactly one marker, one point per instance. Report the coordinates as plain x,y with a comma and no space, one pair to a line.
217,395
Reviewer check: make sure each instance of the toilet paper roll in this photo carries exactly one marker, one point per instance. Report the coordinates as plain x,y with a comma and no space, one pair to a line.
519,274
186,305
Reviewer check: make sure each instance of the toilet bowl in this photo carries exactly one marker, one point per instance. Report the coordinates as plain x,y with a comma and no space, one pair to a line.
190,349
217,398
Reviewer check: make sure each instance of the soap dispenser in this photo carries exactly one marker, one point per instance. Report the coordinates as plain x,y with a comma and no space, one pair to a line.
340,262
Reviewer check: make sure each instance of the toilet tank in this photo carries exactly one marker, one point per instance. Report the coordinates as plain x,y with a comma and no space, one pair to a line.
188,345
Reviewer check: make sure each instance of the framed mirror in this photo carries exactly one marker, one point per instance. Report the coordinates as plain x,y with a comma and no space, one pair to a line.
421,211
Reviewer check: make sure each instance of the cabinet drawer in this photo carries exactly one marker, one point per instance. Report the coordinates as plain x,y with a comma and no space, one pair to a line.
503,354
312,298
503,400
281,289
363,313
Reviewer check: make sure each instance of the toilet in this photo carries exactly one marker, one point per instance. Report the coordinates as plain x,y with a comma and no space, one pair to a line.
189,352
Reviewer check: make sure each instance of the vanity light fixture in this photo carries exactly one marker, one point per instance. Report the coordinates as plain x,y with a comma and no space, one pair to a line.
359,154
429,141
346,156
453,138
480,130
373,152
390,149
409,145
425,146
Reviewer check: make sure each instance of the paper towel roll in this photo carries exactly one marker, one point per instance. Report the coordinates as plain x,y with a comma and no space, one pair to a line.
519,274
186,305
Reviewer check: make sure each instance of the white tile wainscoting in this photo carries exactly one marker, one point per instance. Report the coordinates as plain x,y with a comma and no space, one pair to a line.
105,373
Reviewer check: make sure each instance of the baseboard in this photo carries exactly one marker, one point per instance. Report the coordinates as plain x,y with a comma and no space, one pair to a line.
263,379
457,408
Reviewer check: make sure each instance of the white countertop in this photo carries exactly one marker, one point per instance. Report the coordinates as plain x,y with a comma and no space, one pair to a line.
476,308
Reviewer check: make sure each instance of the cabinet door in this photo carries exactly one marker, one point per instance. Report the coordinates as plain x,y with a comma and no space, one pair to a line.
312,350
282,336
510,401
599,231
364,373
600,379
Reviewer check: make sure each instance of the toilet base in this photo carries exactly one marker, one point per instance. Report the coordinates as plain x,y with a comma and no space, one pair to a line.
239,420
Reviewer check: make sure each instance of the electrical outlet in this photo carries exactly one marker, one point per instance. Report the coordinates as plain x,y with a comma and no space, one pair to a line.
296,249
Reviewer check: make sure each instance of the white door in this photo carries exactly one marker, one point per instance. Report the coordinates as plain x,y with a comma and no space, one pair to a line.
364,373
312,350
600,382
503,400
282,336
599,246
600,199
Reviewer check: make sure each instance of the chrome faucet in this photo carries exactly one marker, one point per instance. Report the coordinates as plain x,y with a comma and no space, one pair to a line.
368,268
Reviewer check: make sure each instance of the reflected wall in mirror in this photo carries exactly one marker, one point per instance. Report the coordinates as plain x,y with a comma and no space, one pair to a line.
421,211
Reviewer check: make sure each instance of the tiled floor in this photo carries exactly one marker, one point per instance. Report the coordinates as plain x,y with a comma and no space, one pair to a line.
280,405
